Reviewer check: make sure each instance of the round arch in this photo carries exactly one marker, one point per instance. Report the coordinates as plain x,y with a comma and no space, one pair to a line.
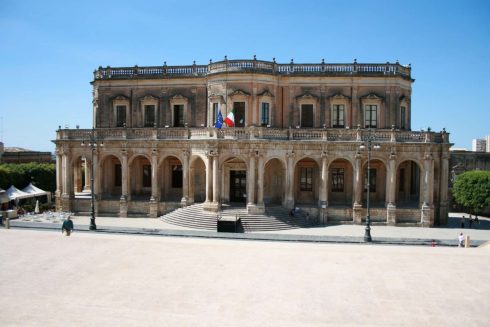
408,184
340,182
306,181
274,181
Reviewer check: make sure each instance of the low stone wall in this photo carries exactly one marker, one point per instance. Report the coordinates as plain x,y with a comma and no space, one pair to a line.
108,208
339,215
378,215
411,215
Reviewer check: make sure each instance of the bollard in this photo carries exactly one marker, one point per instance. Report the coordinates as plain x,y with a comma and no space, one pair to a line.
7,223
467,242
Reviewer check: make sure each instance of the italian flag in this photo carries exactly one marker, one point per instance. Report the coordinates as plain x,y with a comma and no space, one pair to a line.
230,119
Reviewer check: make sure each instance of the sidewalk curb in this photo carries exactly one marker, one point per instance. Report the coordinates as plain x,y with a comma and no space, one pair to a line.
248,236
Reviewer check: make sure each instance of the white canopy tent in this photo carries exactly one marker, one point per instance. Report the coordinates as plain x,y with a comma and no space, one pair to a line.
36,191
15,194
4,198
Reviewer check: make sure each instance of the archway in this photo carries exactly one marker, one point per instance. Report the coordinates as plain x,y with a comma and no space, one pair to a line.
306,179
234,181
408,179
171,179
340,183
274,177
140,179
110,175
197,182
377,183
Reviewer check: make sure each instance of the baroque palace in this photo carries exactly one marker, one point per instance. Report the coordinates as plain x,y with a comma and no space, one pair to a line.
302,137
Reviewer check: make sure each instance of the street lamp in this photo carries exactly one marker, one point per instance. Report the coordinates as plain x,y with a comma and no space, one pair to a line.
369,146
92,143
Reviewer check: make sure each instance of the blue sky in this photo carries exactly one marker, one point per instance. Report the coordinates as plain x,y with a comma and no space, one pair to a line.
49,50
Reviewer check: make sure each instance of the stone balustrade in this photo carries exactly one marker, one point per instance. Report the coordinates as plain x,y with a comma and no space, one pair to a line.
257,66
255,133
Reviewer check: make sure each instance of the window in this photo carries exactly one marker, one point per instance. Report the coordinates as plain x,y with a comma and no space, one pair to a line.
307,115
117,175
402,117
149,115
372,180
146,176
371,116
306,183
239,112
338,115
337,179
178,115
215,112
264,116
177,176
120,116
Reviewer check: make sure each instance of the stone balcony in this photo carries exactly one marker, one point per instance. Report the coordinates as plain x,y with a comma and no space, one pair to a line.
254,66
255,133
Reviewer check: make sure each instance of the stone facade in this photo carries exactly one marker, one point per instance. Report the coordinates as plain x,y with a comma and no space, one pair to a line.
297,142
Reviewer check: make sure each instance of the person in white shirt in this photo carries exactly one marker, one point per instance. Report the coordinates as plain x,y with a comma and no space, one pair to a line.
461,240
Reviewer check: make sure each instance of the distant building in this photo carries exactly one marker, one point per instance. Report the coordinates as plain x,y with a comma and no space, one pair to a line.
20,155
481,145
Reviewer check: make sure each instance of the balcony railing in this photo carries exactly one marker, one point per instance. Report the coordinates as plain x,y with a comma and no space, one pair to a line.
255,133
256,66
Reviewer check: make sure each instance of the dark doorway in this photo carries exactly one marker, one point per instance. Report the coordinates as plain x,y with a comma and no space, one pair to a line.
307,115
239,111
238,186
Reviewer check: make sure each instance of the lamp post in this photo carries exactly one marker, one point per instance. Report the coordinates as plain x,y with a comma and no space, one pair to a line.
92,143
369,145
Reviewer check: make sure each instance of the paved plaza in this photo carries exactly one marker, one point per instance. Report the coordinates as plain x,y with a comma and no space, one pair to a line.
99,279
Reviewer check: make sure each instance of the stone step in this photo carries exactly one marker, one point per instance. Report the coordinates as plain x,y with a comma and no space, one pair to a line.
194,216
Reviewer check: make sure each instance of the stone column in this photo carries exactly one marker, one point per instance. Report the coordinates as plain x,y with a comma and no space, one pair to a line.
215,179
260,182
323,201
154,185
322,192
192,182
356,120
357,209
123,201
251,183
88,175
185,178
209,170
427,215
290,181
59,179
391,190
443,210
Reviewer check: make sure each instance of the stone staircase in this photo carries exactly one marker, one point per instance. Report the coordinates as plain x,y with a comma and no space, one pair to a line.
275,218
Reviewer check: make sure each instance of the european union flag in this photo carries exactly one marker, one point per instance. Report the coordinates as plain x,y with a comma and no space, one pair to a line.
219,120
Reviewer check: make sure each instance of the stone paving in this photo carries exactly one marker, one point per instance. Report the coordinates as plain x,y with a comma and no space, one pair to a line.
100,279
443,235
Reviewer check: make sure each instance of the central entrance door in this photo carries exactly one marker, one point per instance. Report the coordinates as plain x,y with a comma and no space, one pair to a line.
238,186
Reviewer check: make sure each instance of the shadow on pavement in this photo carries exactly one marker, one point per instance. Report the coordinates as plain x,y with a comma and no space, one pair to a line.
455,222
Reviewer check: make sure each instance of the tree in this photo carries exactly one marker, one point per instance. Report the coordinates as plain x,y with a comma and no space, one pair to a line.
42,175
472,190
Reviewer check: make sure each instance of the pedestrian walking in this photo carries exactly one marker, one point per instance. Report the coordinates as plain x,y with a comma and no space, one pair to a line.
471,221
67,226
461,240
462,222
